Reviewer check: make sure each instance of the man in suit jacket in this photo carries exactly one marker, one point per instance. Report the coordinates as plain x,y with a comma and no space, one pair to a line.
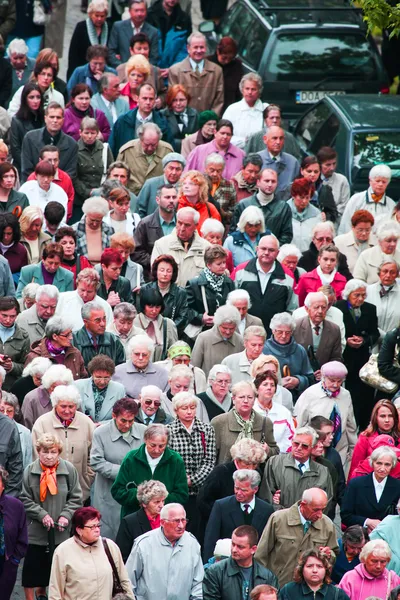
108,98
50,134
318,336
122,32
34,319
173,165
241,509
201,78
285,165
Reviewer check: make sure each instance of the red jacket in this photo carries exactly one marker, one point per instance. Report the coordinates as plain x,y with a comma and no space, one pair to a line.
310,282
363,450
206,210
65,182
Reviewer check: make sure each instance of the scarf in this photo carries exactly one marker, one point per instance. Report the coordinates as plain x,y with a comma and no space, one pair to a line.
92,33
52,349
4,248
226,403
335,415
385,290
376,197
99,397
48,481
243,185
247,426
355,312
264,199
326,279
154,329
215,282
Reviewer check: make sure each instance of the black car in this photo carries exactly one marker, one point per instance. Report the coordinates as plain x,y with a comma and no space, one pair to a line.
303,52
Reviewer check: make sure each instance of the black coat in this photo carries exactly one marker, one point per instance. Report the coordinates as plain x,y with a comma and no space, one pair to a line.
19,128
195,300
78,47
130,528
6,74
359,501
146,234
326,203
178,134
176,304
387,355
219,484
309,261
212,409
301,591
366,327
179,19
232,74
22,387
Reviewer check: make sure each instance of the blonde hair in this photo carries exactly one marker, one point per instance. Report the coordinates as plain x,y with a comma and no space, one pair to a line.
138,63
259,365
199,179
48,440
30,214
122,239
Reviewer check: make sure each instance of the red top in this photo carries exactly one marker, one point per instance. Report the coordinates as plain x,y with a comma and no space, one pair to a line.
310,282
154,523
84,263
206,210
126,91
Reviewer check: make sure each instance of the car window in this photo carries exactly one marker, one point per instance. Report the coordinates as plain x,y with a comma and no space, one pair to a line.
322,56
232,24
311,123
252,45
326,134
375,147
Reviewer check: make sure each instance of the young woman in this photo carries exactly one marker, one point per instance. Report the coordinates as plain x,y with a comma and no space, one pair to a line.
30,116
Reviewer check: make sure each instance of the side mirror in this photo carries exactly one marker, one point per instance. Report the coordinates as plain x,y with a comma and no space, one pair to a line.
207,27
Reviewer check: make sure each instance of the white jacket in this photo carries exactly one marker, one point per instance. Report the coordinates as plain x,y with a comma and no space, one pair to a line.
381,211
387,308
70,305
283,424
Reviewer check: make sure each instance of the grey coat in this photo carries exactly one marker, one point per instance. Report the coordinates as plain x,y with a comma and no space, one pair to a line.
7,287
109,448
33,143
11,454
210,349
133,380
36,403
120,37
63,504
147,197
30,322
114,392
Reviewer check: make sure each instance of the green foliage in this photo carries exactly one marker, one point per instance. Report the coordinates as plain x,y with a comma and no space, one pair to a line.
381,14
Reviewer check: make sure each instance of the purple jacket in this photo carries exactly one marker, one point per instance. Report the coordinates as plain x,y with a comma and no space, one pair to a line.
15,528
72,121
233,159
36,403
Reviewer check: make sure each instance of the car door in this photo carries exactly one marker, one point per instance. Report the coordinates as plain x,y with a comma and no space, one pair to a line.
309,125
253,42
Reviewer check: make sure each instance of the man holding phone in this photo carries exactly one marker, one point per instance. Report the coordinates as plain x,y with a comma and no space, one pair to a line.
14,341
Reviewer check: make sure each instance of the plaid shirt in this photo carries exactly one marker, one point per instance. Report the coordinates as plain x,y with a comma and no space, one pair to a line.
196,448
81,242
225,194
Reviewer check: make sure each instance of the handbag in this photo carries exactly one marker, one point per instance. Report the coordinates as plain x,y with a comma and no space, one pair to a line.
117,586
41,16
191,330
369,374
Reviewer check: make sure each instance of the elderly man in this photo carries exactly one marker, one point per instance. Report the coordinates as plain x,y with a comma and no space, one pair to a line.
319,337
272,116
268,286
285,165
277,213
240,299
212,346
144,156
71,303
239,575
243,508
221,190
185,245
202,79
35,318
286,476
151,410
122,325
108,98
245,181
374,199
92,338
173,165
22,66
322,235
290,532
240,364
166,562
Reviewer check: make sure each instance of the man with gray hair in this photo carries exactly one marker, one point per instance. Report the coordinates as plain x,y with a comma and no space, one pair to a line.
185,245
173,165
222,192
34,320
246,116
108,98
285,165
22,65
240,364
243,508
151,411
166,562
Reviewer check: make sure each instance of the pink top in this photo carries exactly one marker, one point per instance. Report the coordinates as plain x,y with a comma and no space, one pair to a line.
233,158
126,91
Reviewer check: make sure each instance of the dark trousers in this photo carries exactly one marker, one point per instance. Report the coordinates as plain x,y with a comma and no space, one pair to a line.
7,579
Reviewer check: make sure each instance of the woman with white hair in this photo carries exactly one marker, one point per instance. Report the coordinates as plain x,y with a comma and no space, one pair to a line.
138,370
250,229
328,398
212,346
28,296
31,377
93,235
214,232
180,379
9,406
385,296
374,199
322,234
369,261
217,398
195,442
240,299
17,52
296,370
361,325
289,256
72,428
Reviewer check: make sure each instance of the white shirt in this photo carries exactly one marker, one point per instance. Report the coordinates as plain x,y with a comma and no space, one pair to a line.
111,108
153,462
246,120
264,276
282,421
70,305
334,315
198,65
379,487
39,197
251,505
136,29
306,466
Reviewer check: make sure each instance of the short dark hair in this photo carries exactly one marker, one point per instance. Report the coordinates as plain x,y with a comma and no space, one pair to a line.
8,303
95,51
354,535
80,88
53,249
54,213
81,516
319,421
150,297
224,123
43,64
139,37
101,362
270,108
48,148
45,168
247,531
261,377
5,167
309,160
164,186
252,159
168,259
326,153
10,220
111,255
128,404
64,232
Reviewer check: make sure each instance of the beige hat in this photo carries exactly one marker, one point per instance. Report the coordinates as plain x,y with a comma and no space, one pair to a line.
223,547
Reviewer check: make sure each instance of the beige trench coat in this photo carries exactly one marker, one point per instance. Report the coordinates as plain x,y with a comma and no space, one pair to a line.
211,348
141,170
206,89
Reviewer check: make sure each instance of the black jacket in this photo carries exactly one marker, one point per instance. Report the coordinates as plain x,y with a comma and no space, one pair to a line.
277,215
224,580
212,409
219,484
195,300
6,74
177,134
359,502
146,234
309,261
78,47
130,528
34,142
366,327
22,387
326,203
387,355
179,19
122,287
108,344
301,591
11,455
19,128
176,304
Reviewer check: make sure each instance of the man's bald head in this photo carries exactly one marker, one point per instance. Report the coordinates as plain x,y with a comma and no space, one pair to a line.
313,503
267,251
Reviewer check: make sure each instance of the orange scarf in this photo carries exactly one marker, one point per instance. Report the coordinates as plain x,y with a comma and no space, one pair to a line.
48,481
376,198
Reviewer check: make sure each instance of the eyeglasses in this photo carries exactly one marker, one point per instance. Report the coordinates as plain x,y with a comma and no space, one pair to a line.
156,403
281,332
101,378
300,445
223,381
65,335
97,526
324,239
177,521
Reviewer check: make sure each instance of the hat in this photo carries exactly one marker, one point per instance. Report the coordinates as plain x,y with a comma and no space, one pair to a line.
207,115
382,440
223,547
334,368
173,157
179,350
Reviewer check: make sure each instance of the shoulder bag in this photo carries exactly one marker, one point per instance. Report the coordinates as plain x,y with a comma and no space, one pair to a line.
117,586
191,330
370,375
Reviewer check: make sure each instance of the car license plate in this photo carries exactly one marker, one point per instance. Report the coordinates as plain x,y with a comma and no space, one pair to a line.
313,96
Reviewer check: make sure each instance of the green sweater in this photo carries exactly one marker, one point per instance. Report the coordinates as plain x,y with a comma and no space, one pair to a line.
135,469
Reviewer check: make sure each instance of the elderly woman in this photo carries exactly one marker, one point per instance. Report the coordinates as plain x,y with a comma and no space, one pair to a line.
289,256
240,299
31,378
9,198
193,192
50,493
304,215
37,402
213,346
357,240
10,246
122,326
217,398
137,71
139,370
242,422
66,237
153,460
328,398
15,540
78,108
368,499
361,325
352,542
207,123
369,261
243,242
181,118
180,379
111,443
267,362
283,426
133,271
28,296
325,274
67,423
214,232
42,190
98,393
322,234
221,191
161,330
312,578
32,236
180,353
385,296
87,563
195,442
152,407
371,577
93,235
48,271
57,346
9,406
296,371
150,495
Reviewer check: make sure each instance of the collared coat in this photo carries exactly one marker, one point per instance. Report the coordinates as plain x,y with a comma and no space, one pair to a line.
368,263
132,154
30,322
211,348
147,205
90,169
32,144
206,88
283,540
387,307
16,347
175,304
227,430
133,380
73,358
109,449
177,134
121,107
43,239
125,129
240,366
287,168
359,501
120,37
381,211
224,580
347,246
131,527
330,347
277,215
36,403
360,585
115,391
311,282
63,279
77,440
11,455
195,297
108,344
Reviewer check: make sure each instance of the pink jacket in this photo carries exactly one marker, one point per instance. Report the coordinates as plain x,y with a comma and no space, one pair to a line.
362,450
310,282
359,584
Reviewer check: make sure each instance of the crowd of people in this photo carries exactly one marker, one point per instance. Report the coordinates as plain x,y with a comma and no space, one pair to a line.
199,327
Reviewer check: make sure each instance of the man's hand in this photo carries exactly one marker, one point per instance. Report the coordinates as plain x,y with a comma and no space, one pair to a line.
276,498
290,382
355,341
317,375
208,320
63,523
372,524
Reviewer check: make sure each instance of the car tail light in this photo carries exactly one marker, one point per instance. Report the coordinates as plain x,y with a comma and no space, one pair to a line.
384,90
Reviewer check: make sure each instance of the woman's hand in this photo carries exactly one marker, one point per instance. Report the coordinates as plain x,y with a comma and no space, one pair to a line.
207,320
7,363
100,136
113,299
63,523
290,382
158,103
265,446
164,73
323,217
189,481
355,341
48,522
317,375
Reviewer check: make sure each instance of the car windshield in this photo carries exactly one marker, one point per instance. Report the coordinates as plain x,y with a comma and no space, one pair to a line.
375,147
321,56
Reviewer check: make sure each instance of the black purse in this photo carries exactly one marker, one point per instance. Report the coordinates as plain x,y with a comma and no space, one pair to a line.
117,587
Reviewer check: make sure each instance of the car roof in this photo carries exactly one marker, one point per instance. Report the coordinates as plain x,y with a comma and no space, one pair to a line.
298,12
366,111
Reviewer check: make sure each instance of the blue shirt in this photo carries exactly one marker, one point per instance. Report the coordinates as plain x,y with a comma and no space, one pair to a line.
167,227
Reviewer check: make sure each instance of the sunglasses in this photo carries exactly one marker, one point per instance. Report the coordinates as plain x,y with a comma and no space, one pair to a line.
150,402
